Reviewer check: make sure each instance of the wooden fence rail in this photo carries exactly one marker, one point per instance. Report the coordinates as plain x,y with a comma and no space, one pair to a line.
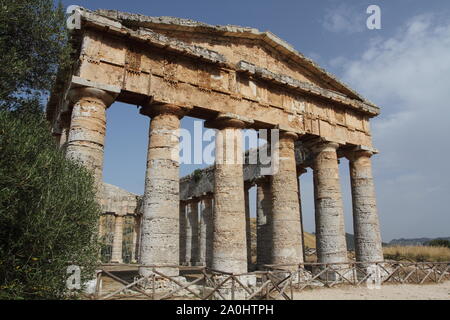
275,282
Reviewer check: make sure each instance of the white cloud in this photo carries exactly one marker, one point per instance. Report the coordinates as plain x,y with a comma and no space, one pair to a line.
408,75
344,18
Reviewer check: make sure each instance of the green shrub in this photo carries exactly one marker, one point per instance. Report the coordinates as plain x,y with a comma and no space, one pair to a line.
48,212
439,243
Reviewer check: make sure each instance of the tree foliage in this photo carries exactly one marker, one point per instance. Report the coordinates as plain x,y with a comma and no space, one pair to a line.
48,207
33,43
48,211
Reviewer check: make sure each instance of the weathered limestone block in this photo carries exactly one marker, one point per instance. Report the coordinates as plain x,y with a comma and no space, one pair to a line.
87,128
230,243
365,216
120,201
263,214
116,255
285,221
330,231
192,235
160,221
206,230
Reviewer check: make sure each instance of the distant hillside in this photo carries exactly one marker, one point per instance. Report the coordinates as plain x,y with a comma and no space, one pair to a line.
412,241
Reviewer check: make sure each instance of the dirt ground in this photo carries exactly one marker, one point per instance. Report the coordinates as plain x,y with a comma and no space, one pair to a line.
439,291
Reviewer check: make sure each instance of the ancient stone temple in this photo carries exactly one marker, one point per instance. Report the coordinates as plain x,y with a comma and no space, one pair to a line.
234,78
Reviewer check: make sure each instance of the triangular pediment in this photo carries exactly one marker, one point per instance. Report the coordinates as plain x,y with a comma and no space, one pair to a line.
262,49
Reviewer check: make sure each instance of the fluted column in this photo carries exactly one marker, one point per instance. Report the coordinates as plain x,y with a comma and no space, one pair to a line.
229,243
160,220
183,231
368,245
285,221
248,226
116,255
263,214
330,232
136,236
192,235
206,230
87,128
301,171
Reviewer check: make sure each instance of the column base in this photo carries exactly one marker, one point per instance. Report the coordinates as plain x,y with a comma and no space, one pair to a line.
238,293
167,271
116,261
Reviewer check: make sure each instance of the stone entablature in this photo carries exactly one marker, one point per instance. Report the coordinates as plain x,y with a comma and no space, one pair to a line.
142,63
119,201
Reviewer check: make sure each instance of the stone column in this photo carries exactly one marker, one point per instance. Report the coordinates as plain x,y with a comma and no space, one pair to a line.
206,231
135,248
330,232
248,231
285,221
116,255
229,243
65,130
263,214
87,128
160,220
192,235
301,171
368,245
182,240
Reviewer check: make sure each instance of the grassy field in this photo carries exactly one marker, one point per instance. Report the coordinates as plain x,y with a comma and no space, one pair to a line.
417,253
412,253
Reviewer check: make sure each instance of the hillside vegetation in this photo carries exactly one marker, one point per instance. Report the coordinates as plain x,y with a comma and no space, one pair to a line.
412,253
417,253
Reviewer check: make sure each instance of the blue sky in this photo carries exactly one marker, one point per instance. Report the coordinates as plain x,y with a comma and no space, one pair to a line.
404,68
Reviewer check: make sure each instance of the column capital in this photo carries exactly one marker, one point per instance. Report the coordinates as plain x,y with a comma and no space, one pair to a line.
324,146
154,109
206,196
359,151
81,88
228,120
192,200
289,135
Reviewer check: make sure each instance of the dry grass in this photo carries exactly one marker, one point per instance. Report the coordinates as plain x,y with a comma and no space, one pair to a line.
310,240
417,253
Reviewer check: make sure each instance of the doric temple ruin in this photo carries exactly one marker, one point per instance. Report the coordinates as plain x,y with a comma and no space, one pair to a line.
234,78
